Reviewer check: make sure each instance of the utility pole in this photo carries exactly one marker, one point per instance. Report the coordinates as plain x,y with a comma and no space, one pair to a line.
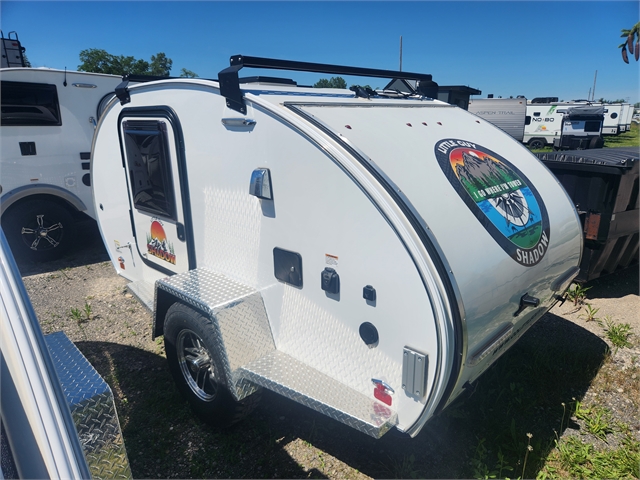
593,92
400,53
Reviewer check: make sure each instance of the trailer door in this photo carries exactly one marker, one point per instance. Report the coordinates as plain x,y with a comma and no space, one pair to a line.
153,157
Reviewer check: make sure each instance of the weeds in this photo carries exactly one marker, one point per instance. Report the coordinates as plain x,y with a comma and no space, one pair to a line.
580,459
76,314
577,294
597,420
617,333
590,314
83,315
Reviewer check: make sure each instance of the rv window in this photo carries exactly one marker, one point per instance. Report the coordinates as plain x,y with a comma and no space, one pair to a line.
527,120
148,162
592,126
536,114
29,104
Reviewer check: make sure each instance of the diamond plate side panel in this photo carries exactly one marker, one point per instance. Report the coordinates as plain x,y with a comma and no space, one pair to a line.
291,378
92,407
238,316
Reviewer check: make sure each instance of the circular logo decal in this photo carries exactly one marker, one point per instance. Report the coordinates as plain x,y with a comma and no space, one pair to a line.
503,200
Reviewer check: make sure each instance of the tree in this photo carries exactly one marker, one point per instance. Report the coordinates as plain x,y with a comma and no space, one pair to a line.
334,82
100,61
160,65
188,73
631,35
27,63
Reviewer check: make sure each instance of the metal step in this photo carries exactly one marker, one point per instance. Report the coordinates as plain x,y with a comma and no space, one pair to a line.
297,381
144,292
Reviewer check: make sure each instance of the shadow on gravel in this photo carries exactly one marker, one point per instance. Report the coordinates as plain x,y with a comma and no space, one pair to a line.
88,249
616,285
522,393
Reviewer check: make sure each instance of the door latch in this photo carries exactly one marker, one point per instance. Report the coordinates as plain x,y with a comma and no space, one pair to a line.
526,301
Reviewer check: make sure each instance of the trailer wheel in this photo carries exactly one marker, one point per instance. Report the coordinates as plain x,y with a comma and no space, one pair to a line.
537,143
38,230
194,362
596,142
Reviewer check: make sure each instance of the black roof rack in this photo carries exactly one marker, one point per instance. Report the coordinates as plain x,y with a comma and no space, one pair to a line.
230,84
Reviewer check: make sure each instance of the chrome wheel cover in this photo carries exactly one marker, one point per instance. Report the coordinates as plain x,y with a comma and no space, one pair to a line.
196,365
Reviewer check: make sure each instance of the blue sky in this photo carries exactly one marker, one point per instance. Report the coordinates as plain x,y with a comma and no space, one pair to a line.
543,48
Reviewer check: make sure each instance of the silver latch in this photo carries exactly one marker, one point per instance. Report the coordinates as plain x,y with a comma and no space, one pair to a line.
414,373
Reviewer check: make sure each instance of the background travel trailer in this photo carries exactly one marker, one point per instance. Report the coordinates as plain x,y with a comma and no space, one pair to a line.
367,255
508,114
48,121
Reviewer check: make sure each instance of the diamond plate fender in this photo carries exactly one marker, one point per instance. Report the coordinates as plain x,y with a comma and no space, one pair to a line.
237,313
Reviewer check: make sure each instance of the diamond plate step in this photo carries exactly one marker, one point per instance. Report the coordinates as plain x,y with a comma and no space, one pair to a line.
93,409
144,292
297,381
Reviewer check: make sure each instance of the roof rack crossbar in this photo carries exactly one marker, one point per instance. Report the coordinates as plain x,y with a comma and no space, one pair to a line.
230,85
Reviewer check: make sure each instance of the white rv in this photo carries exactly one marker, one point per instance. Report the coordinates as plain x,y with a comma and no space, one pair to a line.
543,123
508,114
625,117
614,116
364,255
48,121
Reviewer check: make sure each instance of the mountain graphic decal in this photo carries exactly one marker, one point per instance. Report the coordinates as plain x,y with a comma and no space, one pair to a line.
500,196
158,245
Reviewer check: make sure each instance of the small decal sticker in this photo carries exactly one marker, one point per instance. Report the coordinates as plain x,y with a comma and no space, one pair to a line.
500,196
121,260
331,259
158,245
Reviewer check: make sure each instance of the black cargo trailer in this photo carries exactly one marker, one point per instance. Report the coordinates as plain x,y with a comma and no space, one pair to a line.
603,183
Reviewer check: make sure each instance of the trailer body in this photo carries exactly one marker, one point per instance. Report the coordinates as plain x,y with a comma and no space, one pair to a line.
543,123
508,114
48,120
368,257
581,128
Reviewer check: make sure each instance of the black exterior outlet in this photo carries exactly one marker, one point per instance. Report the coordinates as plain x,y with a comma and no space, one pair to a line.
330,281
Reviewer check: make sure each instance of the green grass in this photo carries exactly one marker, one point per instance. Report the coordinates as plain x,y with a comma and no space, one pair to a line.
617,333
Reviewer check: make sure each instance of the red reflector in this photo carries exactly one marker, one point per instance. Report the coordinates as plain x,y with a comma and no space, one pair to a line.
409,125
348,126
381,394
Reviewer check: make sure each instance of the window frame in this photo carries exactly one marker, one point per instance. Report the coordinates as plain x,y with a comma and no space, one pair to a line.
53,107
131,127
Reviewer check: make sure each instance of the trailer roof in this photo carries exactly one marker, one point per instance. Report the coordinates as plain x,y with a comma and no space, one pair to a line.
620,157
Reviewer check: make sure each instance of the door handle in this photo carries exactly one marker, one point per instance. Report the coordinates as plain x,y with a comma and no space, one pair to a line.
526,301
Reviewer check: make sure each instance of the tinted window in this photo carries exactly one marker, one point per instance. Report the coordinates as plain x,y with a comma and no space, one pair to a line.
592,126
28,104
527,120
148,162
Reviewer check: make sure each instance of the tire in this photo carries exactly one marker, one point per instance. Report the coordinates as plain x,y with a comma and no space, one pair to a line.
39,230
596,142
194,362
537,143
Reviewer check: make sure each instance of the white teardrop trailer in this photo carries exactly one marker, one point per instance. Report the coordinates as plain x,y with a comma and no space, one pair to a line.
366,254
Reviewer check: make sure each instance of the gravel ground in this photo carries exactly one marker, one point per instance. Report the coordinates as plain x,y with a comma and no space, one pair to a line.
83,296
